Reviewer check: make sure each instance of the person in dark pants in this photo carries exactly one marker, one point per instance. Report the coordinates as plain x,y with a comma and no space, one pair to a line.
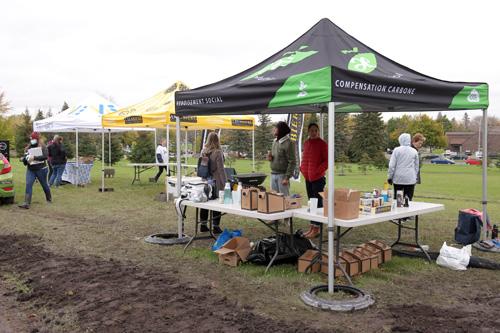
161,158
213,151
57,155
403,167
36,162
313,167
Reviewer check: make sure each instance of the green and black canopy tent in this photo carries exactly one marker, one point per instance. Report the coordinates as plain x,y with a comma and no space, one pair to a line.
326,68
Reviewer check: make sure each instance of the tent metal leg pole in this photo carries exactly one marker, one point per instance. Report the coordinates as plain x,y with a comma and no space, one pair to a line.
485,172
156,140
168,160
186,147
102,161
331,188
109,149
179,175
253,150
321,126
77,162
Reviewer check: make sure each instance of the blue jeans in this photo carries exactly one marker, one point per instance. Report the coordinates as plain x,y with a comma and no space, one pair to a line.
57,172
41,175
276,179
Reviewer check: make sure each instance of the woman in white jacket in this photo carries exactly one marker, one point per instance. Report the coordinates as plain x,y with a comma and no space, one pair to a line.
403,167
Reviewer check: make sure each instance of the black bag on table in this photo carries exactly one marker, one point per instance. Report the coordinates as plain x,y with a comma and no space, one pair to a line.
203,169
468,230
289,251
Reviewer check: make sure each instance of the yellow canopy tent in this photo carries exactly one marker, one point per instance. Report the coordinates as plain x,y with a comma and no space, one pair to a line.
158,111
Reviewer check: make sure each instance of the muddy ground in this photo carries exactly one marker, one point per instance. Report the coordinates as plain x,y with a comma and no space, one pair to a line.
47,292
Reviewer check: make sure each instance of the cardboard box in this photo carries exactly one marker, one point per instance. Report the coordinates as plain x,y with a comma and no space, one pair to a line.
363,259
375,210
375,250
352,263
338,272
293,203
346,203
249,198
386,249
305,261
233,251
269,202
374,259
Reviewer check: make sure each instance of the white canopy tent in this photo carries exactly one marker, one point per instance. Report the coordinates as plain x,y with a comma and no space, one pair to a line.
84,117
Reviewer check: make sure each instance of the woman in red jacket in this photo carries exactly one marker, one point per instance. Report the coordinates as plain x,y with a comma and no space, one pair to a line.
313,166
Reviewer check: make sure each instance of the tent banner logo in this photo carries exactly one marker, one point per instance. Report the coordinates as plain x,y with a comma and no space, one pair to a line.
184,119
363,62
290,57
242,122
473,96
133,120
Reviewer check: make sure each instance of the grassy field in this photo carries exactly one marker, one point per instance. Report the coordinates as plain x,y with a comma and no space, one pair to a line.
85,222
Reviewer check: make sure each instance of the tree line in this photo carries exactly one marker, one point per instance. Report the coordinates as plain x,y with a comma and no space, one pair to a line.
359,138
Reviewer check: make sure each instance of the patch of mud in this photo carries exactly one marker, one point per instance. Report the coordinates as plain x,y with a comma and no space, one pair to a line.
421,318
96,295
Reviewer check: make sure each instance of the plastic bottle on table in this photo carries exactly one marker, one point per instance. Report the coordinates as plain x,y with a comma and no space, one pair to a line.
228,197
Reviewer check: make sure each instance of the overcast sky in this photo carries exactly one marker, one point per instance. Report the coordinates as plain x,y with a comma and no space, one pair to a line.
55,51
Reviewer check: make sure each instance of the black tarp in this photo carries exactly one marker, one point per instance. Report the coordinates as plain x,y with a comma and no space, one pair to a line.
327,64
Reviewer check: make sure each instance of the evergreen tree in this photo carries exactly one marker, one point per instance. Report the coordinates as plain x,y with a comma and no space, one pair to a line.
364,163
143,150
368,136
341,134
39,115
116,148
64,107
466,121
239,141
87,144
23,131
263,136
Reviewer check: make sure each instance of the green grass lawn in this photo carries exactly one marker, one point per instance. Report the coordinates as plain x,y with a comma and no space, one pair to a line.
113,224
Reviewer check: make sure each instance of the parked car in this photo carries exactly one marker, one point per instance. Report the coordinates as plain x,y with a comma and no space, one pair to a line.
472,161
6,182
430,156
442,160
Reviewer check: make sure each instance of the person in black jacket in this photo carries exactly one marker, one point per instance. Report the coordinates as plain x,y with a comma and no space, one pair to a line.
57,156
35,159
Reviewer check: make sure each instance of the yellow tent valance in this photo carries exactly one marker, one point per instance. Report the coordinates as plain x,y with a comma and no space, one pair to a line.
159,111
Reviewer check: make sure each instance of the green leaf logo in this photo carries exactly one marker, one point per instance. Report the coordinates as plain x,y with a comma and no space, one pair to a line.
363,62
471,97
291,57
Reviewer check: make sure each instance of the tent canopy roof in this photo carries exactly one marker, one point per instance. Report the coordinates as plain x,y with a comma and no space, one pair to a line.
326,64
158,111
84,117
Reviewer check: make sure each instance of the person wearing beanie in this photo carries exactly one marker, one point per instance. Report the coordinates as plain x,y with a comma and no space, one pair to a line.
35,159
313,167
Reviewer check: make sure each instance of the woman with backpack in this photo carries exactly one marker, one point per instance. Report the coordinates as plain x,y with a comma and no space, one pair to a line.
214,157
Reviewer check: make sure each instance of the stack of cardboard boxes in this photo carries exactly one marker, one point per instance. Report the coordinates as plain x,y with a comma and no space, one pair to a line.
360,260
267,202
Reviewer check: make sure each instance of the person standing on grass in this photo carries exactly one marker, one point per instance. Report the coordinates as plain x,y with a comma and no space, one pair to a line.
313,167
161,158
282,158
417,142
36,163
403,167
57,155
213,151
